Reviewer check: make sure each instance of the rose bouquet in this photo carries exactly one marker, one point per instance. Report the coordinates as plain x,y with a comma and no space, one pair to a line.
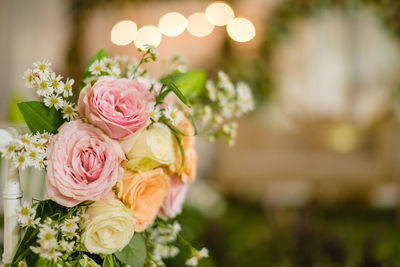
118,159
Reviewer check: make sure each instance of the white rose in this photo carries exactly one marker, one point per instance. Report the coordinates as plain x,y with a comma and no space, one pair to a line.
108,228
155,142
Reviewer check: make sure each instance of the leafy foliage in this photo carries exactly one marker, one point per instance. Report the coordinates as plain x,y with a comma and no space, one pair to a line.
40,118
190,83
134,253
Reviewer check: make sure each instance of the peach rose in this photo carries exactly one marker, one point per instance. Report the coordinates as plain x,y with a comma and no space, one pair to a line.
188,174
119,107
144,193
83,164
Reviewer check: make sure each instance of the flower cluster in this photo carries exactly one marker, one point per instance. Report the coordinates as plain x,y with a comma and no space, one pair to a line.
28,150
123,166
225,102
51,88
161,237
56,239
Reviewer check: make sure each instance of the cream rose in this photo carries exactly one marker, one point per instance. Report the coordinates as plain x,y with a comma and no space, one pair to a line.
145,193
155,142
108,228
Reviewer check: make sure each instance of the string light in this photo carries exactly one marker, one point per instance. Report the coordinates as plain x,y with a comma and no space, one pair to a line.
147,35
123,32
172,24
199,25
241,30
219,13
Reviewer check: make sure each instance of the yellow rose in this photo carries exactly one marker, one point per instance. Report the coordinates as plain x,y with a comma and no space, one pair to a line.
109,226
155,142
145,193
188,174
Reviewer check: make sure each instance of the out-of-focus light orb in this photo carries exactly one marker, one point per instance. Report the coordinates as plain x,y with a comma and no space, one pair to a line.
241,30
219,13
172,24
199,25
148,35
124,32
343,138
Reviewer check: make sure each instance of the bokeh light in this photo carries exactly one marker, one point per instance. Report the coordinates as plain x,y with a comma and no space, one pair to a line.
172,24
241,30
124,32
219,13
148,35
199,25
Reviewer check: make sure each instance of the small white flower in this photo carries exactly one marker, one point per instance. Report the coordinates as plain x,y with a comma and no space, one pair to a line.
55,82
203,253
70,225
21,160
110,63
97,67
24,213
155,114
29,78
70,112
245,101
66,246
206,115
193,261
47,237
196,256
33,222
152,49
42,67
218,119
50,254
53,100
43,87
114,71
172,114
67,87
211,90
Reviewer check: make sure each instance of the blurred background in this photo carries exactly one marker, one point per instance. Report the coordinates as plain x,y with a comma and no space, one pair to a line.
313,179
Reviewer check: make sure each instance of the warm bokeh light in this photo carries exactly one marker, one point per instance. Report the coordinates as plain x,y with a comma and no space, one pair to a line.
147,35
199,25
172,24
219,13
241,30
124,32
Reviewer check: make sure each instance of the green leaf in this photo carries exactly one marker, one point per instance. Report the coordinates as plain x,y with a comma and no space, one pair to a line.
109,261
134,253
178,93
23,249
172,127
100,55
45,263
178,140
190,83
40,118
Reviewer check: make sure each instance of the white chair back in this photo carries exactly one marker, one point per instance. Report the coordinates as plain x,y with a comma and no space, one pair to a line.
12,194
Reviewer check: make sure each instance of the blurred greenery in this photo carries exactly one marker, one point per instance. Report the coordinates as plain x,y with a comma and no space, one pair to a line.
247,235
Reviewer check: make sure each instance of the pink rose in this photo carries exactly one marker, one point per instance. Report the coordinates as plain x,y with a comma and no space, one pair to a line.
119,107
83,164
173,203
